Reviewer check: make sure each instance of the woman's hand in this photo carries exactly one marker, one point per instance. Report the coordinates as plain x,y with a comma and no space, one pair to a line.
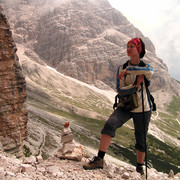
121,75
140,79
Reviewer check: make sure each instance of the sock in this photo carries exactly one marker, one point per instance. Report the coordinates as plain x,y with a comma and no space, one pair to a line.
101,154
139,164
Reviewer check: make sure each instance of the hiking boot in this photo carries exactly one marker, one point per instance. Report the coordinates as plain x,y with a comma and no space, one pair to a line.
140,170
95,163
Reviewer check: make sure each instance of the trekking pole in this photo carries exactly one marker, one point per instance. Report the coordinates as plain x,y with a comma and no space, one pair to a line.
144,127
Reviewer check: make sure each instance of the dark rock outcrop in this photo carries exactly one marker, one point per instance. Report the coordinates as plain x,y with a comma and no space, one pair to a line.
13,116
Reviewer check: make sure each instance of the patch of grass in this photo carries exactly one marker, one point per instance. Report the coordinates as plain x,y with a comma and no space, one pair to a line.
26,151
162,156
127,155
174,106
91,103
82,138
89,123
124,136
168,124
52,125
165,115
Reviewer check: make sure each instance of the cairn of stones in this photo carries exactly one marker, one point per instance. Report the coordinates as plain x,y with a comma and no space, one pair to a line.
70,149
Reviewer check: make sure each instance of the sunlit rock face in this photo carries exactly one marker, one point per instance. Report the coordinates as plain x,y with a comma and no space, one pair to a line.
84,39
13,116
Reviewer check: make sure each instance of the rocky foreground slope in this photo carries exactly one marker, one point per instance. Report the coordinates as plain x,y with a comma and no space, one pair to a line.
55,168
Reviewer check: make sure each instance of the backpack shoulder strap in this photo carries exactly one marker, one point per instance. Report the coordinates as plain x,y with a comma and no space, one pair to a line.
142,63
150,96
117,97
147,83
125,64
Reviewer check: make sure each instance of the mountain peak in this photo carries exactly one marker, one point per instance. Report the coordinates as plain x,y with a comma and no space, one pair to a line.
83,39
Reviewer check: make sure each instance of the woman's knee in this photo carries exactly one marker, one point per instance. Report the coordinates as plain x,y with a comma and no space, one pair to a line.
140,141
140,147
111,124
109,129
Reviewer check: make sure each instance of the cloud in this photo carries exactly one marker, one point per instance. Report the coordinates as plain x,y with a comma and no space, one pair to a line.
158,20
167,39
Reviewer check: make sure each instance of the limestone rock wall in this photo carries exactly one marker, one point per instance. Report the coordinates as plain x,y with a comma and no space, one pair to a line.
84,39
13,116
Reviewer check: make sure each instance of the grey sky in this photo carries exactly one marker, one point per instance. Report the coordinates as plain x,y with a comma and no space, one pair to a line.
160,21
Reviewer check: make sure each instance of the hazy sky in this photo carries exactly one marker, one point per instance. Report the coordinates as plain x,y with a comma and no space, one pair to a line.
160,21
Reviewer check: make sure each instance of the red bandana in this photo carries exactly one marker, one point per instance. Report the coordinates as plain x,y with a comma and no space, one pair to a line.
137,43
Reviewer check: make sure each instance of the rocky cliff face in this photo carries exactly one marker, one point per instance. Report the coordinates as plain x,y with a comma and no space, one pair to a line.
84,39
13,116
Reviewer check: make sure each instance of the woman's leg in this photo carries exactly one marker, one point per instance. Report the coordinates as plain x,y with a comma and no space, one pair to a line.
140,156
105,142
117,119
141,127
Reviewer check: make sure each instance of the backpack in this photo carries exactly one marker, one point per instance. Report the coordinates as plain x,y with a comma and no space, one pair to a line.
147,83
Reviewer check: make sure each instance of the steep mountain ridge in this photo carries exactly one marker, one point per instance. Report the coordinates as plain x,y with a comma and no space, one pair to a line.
82,39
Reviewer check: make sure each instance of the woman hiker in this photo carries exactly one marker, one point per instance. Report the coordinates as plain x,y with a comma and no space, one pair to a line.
130,77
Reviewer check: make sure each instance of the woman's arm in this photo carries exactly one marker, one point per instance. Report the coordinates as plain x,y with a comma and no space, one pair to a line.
123,89
147,71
